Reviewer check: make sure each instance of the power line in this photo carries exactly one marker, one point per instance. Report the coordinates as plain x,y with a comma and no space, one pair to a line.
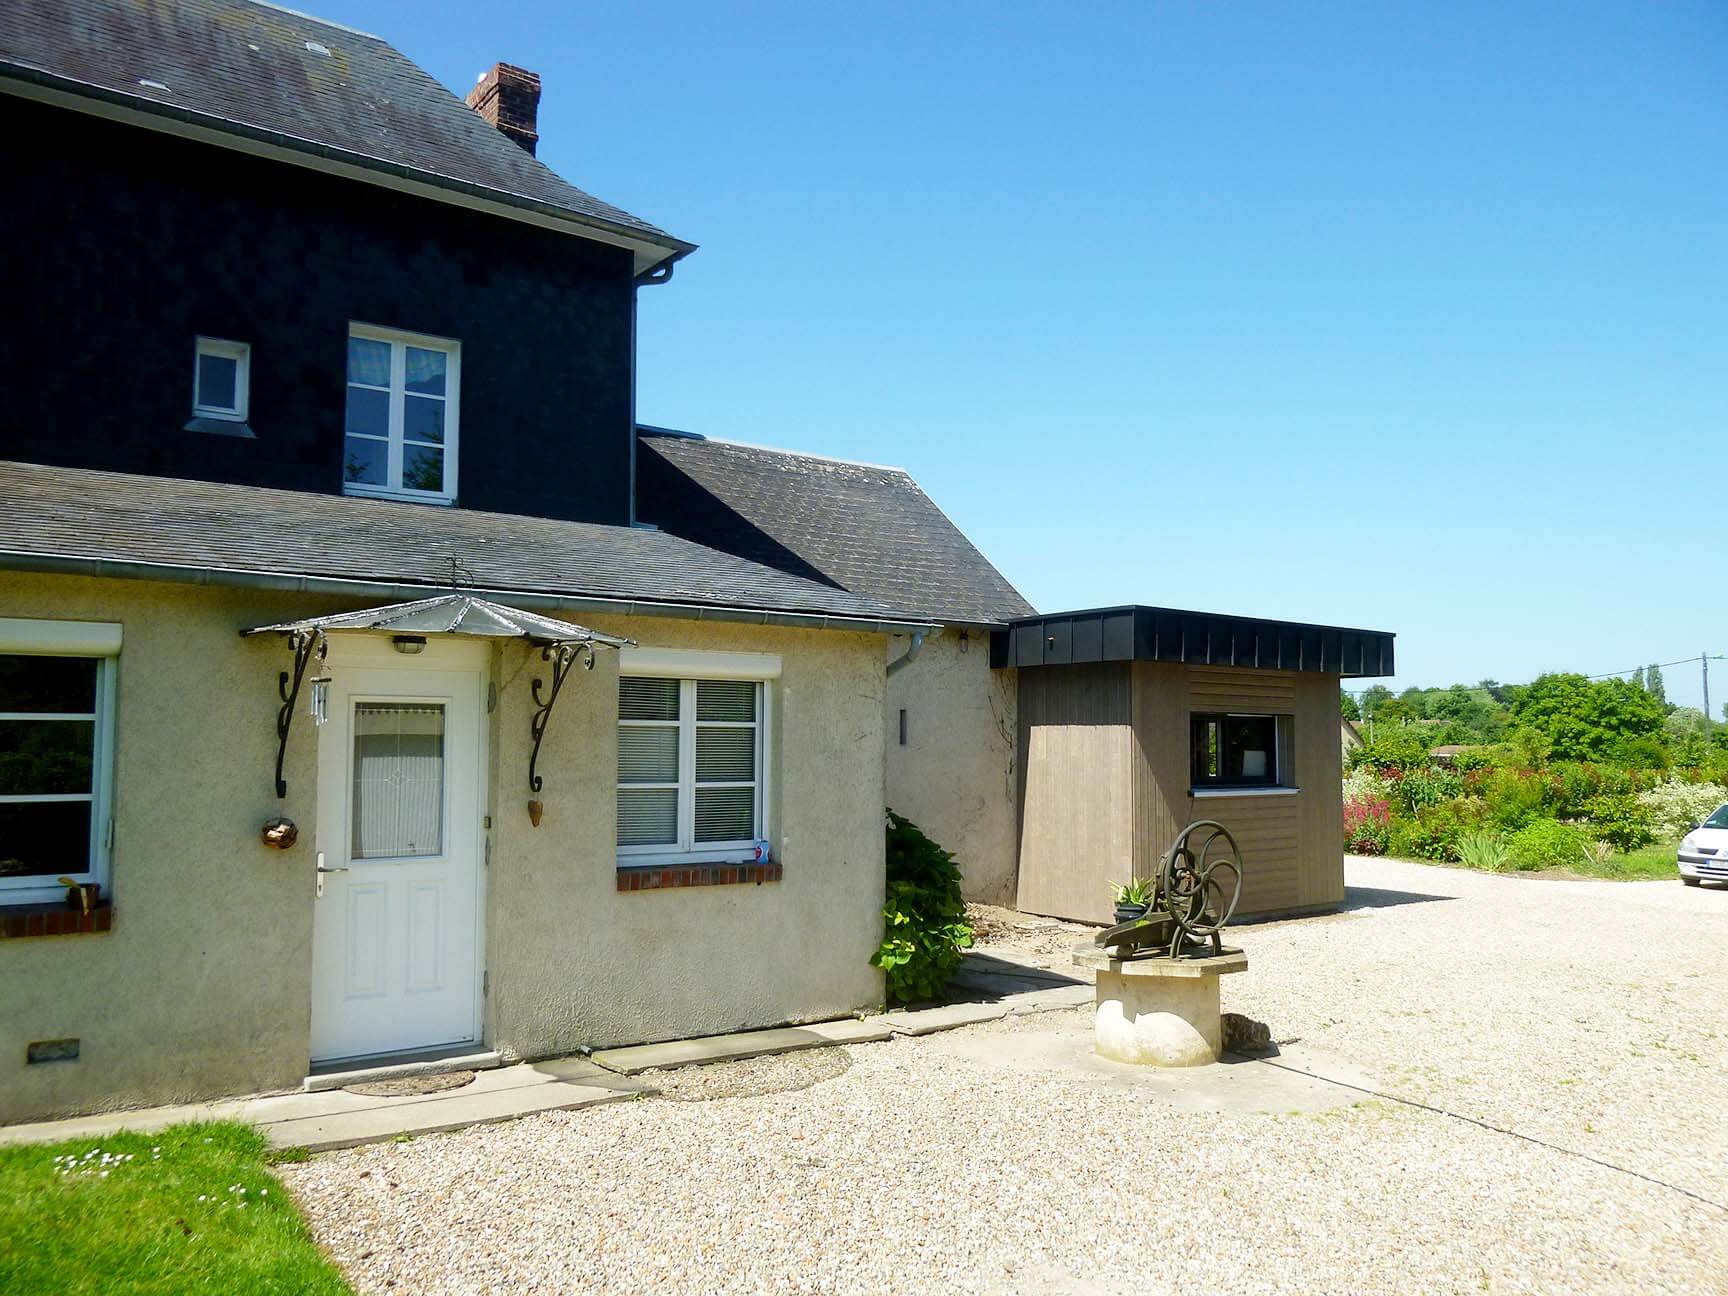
1683,661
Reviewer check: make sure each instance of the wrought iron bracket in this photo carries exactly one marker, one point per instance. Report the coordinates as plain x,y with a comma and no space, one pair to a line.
562,656
306,644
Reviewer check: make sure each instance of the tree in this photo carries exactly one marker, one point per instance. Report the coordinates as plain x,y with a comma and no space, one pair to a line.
1347,707
1638,678
1373,698
1572,718
1653,685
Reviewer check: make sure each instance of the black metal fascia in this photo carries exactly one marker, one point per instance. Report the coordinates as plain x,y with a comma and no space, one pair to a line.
1139,633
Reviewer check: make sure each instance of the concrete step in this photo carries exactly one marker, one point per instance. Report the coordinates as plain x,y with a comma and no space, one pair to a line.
741,1044
341,1075
458,1109
927,1021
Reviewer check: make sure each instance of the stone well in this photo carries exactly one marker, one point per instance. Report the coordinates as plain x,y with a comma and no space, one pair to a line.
1158,1011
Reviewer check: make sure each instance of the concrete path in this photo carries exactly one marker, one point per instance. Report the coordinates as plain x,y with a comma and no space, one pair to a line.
336,1118
328,1116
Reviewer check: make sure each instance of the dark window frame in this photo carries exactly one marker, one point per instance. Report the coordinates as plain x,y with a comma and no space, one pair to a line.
1215,736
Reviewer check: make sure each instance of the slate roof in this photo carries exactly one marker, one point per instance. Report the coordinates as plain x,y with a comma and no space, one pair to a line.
246,67
78,513
866,529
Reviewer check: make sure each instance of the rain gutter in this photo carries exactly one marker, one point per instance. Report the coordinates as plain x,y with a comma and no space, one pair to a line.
292,582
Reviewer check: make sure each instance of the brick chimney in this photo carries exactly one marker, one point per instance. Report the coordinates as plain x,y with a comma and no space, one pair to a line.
509,98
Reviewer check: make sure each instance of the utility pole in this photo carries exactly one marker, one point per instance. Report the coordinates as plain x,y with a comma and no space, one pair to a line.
1704,666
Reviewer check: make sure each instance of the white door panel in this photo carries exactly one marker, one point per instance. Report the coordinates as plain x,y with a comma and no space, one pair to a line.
396,930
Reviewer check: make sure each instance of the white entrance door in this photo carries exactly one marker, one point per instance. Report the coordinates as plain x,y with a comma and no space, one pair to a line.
396,933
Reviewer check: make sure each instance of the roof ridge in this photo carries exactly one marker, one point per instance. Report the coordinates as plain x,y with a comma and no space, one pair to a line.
326,22
680,435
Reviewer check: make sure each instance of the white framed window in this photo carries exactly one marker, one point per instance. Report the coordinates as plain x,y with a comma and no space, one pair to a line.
221,379
400,420
692,762
57,687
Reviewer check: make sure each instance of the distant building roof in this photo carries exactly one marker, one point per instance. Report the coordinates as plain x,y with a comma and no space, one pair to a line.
103,523
854,526
253,70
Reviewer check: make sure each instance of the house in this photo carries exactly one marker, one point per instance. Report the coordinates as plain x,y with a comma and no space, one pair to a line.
374,686
352,710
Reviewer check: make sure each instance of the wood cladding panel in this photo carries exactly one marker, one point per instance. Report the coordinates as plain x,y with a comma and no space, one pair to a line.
1076,789
1319,771
1160,708
1212,688
1104,761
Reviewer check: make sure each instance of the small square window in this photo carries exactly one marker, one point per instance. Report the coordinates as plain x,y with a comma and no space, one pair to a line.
1237,750
220,379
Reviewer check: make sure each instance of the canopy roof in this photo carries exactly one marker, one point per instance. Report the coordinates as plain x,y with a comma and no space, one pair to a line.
459,614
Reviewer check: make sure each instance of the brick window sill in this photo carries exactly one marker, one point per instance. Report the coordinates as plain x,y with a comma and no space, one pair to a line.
659,877
20,921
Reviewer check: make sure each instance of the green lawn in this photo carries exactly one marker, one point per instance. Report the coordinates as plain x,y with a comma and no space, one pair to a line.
1655,861
192,1209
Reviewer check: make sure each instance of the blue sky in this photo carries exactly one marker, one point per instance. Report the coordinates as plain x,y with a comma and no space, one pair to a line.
1398,315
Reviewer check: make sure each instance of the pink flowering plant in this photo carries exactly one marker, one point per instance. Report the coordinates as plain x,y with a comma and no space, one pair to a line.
1367,826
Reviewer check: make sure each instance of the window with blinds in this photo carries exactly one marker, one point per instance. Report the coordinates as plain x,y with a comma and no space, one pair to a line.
689,764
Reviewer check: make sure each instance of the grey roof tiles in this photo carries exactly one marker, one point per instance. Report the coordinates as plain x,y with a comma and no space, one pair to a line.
256,66
867,529
77,513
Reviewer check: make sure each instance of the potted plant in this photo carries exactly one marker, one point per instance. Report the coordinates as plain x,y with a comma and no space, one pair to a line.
1133,898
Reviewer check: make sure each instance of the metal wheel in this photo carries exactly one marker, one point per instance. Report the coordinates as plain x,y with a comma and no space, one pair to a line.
1200,879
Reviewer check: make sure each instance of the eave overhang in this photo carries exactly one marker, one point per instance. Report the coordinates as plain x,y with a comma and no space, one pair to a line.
302,582
1153,634
650,254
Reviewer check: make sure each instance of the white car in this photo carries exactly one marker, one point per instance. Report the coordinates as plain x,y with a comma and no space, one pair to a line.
1704,851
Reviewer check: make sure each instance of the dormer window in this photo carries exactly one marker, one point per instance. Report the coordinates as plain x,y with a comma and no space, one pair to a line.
221,377
399,435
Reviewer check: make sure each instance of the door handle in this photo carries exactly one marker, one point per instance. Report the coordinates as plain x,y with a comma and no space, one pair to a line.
323,868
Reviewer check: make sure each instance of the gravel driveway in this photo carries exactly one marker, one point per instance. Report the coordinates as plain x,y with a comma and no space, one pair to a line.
1586,1016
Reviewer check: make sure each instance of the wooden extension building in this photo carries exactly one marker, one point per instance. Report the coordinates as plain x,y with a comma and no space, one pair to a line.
1135,721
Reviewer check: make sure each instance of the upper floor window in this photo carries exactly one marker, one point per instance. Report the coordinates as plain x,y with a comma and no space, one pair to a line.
56,744
221,376
400,429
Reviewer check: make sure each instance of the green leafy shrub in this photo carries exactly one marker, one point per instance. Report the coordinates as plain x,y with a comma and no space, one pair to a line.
1483,848
1473,758
1419,788
1514,798
1436,829
1620,820
1394,747
924,924
1546,843
1674,806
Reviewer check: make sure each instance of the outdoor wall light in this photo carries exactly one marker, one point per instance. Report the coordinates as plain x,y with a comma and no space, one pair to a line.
409,644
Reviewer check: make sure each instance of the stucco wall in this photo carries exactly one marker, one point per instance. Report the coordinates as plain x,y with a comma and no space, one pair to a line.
203,986
955,777
573,961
